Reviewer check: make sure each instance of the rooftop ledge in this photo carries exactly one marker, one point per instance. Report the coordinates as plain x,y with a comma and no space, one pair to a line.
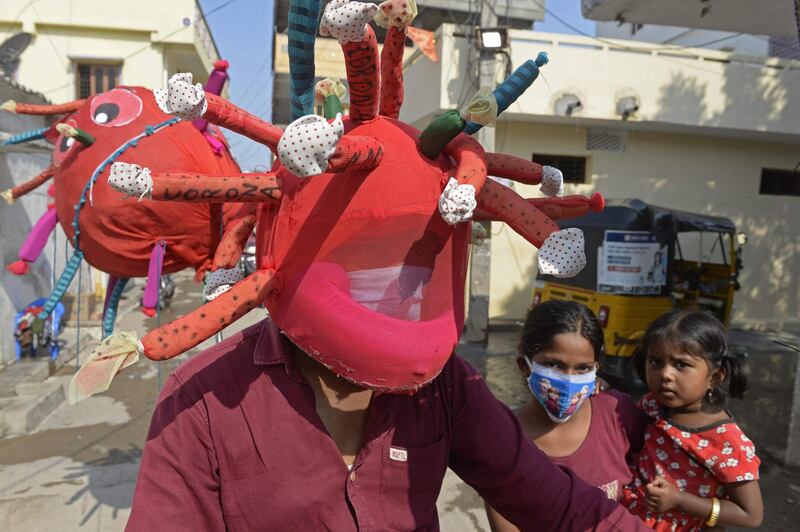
677,89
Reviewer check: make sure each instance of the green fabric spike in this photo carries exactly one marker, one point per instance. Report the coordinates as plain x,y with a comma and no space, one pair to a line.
442,130
84,138
332,106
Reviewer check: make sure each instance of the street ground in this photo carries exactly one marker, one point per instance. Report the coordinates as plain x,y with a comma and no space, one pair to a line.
77,469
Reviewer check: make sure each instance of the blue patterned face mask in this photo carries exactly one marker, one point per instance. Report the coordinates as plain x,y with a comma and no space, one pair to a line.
559,394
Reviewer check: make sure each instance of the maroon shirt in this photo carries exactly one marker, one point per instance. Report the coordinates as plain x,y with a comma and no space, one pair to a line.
616,433
235,443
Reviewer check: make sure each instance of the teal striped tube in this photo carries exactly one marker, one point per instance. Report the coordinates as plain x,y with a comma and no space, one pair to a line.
110,315
63,283
24,137
512,88
303,21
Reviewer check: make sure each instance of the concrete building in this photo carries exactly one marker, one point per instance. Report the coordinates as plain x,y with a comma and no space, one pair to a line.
78,48
715,132
86,46
18,164
768,17
432,13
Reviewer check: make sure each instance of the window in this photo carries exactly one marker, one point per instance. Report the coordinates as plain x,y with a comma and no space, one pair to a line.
92,79
779,182
573,168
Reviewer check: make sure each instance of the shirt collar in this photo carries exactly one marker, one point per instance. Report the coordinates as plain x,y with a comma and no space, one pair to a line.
271,346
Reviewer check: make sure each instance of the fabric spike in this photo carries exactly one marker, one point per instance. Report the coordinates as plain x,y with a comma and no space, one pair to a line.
440,132
225,114
332,107
174,338
363,76
114,290
74,133
153,285
329,87
63,283
37,238
181,98
303,20
512,88
396,13
498,202
18,267
329,93
12,194
229,251
27,136
562,254
392,90
355,152
308,143
214,85
346,21
566,207
45,110
482,108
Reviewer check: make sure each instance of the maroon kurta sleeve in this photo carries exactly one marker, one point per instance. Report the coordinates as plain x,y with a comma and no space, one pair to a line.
178,487
490,451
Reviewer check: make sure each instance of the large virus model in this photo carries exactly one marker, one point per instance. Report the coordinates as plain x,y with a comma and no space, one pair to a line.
364,224
128,238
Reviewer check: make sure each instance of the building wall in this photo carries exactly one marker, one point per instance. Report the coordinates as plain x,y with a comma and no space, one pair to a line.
676,36
153,41
17,165
696,173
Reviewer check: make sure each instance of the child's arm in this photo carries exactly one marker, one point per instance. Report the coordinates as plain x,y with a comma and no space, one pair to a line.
745,507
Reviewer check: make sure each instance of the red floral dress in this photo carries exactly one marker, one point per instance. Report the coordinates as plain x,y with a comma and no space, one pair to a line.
697,461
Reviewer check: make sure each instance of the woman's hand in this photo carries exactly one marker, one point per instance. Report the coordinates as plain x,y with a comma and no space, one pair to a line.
661,495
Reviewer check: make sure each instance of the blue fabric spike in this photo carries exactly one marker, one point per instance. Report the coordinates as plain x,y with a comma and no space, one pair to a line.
110,315
512,88
26,136
63,283
303,21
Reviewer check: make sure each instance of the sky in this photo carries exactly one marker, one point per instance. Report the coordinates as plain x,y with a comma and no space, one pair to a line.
242,30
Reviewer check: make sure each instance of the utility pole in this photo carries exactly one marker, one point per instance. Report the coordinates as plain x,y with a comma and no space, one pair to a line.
481,260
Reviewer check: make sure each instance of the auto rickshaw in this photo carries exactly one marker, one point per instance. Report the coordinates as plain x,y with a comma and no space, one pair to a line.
643,260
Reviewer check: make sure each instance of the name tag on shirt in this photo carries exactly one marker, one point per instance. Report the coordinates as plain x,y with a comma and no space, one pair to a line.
399,455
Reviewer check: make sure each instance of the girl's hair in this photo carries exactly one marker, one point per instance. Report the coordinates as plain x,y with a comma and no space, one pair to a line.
551,318
700,334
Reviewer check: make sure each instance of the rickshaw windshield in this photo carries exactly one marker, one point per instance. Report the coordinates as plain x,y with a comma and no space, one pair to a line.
703,247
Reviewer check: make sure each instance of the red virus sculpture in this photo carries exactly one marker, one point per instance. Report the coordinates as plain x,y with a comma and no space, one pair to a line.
363,226
129,238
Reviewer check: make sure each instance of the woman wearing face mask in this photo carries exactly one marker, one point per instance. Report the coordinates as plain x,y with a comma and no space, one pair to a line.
593,434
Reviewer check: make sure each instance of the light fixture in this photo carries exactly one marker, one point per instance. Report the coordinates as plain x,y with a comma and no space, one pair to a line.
567,104
491,39
626,106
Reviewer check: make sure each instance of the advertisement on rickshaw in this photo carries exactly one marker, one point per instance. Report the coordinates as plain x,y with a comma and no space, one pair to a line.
631,262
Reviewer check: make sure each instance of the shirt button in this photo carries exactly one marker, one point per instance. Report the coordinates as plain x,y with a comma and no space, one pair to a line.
353,476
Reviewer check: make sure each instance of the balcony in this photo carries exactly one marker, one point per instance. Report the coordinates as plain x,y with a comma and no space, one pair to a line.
677,90
767,17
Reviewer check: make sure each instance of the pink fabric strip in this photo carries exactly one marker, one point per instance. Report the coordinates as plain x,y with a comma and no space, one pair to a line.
37,238
150,299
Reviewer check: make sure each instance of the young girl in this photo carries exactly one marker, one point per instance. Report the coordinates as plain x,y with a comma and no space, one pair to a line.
595,435
697,468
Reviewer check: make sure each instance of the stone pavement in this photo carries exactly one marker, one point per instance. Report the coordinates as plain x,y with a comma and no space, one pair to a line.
76,469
